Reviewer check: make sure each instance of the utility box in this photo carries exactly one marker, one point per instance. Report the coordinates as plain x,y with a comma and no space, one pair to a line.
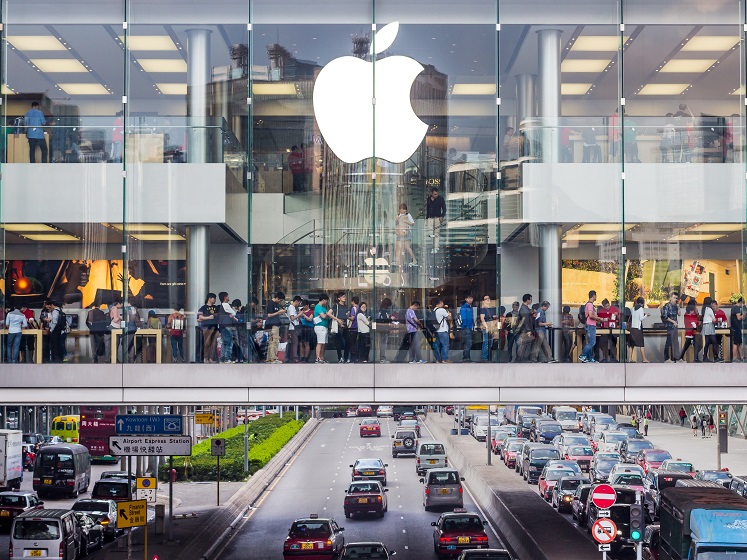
160,518
723,439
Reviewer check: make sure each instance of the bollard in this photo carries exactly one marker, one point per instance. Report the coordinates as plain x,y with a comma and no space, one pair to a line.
160,518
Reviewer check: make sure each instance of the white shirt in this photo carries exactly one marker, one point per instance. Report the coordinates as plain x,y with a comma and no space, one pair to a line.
637,318
16,321
291,312
708,316
363,323
441,318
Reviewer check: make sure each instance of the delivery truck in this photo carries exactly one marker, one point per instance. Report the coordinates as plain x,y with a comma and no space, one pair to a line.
11,459
702,524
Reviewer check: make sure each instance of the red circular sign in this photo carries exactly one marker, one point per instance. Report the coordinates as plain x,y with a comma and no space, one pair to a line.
604,496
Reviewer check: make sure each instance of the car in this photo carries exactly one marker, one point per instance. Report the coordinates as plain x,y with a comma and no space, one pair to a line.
29,456
678,465
523,456
45,533
578,503
116,474
609,440
601,423
34,439
364,410
442,487
564,490
369,427
630,448
627,469
385,411
411,424
524,425
548,478
619,513
13,503
404,442
594,441
457,531
738,484
654,482
369,469
723,477
485,554
651,542
564,464
430,455
479,428
545,431
535,459
587,419
602,465
629,429
631,480
117,489
449,409
314,538
499,436
652,458
376,550
104,512
406,415
581,454
365,497
350,413
566,440
511,449
92,534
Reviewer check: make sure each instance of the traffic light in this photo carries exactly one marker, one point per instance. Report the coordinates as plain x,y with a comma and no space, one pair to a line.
722,419
637,522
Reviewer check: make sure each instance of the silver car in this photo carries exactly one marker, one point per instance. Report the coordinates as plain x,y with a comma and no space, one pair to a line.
442,487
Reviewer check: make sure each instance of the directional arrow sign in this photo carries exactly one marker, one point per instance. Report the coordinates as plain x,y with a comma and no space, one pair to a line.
151,445
149,424
132,514
604,531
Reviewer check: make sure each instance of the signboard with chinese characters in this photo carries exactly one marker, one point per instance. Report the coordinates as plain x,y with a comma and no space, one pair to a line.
149,424
151,445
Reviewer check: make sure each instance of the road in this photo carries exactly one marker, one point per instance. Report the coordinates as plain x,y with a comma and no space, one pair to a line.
314,482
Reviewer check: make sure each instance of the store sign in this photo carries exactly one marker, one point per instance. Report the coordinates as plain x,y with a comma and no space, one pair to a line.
345,110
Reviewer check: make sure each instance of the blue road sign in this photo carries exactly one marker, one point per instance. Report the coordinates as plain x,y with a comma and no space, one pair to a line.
149,424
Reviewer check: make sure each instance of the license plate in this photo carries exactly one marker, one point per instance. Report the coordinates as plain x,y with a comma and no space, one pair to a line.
362,500
4,513
397,444
47,481
35,552
307,546
444,490
463,540
432,461
369,473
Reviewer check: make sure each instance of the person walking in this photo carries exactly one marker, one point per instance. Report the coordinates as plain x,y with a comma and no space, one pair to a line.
274,312
692,336
321,326
703,425
568,328
511,324
443,320
682,415
711,425
540,342
435,213
694,424
364,332
670,314
15,322
306,318
56,328
587,354
466,327
227,323
35,121
413,325
526,329
645,426
176,324
737,320
352,330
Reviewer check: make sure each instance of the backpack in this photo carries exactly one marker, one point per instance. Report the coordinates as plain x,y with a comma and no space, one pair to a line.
61,325
177,327
582,314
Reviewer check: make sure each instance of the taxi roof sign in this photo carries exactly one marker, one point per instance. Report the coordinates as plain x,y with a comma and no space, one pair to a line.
314,516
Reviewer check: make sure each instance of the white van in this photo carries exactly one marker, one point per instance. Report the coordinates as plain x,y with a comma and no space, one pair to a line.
52,534
567,417
430,455
479,426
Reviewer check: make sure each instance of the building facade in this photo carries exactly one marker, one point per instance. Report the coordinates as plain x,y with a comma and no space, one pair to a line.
183,147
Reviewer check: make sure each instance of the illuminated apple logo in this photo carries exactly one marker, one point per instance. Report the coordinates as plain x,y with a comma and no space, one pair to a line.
345,112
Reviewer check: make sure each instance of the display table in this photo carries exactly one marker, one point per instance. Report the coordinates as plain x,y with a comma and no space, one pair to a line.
18,149
39,333
144,148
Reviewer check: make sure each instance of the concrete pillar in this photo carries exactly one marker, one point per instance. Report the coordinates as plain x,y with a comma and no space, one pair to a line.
198,280
526,97
198,78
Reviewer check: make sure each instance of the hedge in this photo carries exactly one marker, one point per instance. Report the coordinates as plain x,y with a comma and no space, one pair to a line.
267,436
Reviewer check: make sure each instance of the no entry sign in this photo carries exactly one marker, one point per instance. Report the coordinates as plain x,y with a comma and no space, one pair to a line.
604,496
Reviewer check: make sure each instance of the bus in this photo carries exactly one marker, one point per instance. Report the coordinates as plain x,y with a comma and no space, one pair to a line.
97,423
66,427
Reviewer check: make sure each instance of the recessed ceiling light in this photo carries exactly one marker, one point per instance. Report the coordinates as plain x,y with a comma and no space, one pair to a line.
166,65
58,65
173,89
717,227
738,91
570,236
473,89
278,88
687,65
157,237
5,90
27,227
574,89
596,43
583,65
141,227
696,237
710,43
603,227
149,43
663,89
36,43
49,237
84,89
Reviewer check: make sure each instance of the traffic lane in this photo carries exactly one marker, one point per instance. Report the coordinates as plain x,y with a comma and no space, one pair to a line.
315,482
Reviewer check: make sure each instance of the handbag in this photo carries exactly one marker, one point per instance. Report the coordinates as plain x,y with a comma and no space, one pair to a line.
494,327
334,328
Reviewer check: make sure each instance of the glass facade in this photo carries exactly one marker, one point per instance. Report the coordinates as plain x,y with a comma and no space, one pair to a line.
397,154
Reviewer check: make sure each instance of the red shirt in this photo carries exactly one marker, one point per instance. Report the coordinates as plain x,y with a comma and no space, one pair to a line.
720,319
614,312
691,323
604,316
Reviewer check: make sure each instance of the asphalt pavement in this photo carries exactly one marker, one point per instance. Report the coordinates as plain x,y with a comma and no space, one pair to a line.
315,482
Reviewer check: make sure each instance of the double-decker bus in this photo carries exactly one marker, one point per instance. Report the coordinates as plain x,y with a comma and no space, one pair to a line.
97,423
66,427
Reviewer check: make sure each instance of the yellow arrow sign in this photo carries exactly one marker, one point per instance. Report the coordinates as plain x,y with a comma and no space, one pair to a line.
204,418
132,514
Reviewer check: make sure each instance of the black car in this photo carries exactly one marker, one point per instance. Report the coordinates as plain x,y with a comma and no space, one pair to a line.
103,512
366,550
545,431
92,534
723,477
564,490
536,459
602,465
524,425
619,513
578,503
117,489
486,554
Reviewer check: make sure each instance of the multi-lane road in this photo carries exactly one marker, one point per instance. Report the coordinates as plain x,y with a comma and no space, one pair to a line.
315,481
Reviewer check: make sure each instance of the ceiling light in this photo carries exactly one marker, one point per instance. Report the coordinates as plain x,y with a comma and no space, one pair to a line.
5,90
583,65
36,43
141,227
166,65
49,237
596,43
149,43
27,227
473,89
277,88
710,43
687,65
570,236
173,89
603,227
84,89
738,91
58,65
717,227
696,237
157,237
574,89
663,89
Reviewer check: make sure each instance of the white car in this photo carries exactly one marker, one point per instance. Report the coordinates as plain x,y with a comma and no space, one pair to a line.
625,468
608,440
385,411
479,426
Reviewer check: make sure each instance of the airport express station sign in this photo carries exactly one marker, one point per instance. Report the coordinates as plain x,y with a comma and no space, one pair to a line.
151,445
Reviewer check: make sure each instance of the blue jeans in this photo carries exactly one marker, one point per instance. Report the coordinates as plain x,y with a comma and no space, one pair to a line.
466,336
591,340
442,346
177,347
486,344
226,337
14,347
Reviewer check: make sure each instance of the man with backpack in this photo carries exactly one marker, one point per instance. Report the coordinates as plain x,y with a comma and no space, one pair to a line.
590,314
57,322
442,318
96,321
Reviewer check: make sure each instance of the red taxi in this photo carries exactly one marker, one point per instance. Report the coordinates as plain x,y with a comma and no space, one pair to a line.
364,410
582,454
365,497
313,538
458,531
370,427
549,478
13,504
651,459
511,449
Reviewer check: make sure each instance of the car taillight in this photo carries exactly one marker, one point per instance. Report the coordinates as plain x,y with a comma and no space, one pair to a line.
480,538
427,490
461,490
328,543
104,522
445,539
36,481
62,549
446,460
382,471
69,483
355,472
417,460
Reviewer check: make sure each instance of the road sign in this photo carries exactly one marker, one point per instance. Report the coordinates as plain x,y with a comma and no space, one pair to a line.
146,482
148,424
132,514
604,547
204,418
604,496
218,447
604,531
147,494
604,513
151,445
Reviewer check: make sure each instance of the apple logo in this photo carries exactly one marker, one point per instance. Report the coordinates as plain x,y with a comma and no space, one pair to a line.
347,117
